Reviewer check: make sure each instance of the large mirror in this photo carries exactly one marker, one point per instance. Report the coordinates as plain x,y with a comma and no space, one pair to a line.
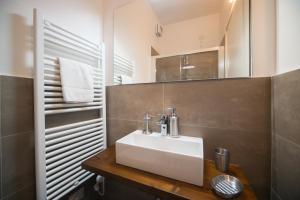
179,40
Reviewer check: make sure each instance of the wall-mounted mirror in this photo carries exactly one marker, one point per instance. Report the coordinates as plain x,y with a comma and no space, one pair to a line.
176,40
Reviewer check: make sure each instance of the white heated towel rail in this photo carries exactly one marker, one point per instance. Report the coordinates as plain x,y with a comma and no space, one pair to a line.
122,66
61,149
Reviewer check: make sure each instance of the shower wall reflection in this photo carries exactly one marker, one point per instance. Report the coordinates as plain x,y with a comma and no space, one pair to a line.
195,66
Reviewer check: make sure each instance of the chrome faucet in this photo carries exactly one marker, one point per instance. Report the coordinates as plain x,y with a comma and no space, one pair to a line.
163,123
147,129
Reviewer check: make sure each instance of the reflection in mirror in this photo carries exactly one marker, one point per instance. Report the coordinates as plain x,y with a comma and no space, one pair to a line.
174,40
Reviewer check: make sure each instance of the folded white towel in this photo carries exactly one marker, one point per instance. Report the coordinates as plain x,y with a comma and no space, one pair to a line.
76,81
126,79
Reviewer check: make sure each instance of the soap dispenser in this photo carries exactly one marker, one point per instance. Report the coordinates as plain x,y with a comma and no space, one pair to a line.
173,123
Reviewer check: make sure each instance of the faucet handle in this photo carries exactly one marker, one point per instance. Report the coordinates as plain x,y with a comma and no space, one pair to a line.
148,116
162,119
173,110
162,115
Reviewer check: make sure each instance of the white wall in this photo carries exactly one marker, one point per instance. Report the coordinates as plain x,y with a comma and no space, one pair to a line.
288,35
237,41
225,16
134,34
83,17
188,35
263,37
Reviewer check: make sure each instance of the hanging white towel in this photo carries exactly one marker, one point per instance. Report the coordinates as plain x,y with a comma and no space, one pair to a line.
126,79
76,81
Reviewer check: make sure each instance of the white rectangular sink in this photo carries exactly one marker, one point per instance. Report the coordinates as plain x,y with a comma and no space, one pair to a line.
177,158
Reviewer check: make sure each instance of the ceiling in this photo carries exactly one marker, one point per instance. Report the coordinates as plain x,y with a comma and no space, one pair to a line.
171,11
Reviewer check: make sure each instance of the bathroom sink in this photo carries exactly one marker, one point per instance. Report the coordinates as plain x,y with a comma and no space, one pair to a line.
177,158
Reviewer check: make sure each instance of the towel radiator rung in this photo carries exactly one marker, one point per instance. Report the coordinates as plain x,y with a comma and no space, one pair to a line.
71,105
55,35
59,179
65,160
69,34
62,144
122,66
67,153
53,65
61,100
70,147
71,162
53,88
59,94
69,187
65,181
74,135
53,135
71,126
51,76
70,47
58,83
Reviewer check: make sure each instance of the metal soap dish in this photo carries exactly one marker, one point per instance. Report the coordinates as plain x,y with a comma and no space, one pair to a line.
226,186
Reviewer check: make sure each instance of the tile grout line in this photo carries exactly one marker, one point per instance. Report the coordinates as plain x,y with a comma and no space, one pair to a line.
287,140
130,120
272,90
19,133
190,125
275,192
1,154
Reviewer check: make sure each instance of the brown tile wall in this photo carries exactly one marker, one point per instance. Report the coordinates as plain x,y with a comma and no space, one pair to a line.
286,136
232,113
17,180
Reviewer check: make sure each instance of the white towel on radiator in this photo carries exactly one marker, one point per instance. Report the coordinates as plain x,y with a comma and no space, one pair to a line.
76,81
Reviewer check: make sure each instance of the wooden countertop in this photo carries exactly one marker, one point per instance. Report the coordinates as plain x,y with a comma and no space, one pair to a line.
104,164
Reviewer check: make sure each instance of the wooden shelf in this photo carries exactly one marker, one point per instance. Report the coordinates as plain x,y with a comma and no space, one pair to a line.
105,164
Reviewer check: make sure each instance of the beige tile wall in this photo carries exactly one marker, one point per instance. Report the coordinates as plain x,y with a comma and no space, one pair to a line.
17,166
232,113
286,136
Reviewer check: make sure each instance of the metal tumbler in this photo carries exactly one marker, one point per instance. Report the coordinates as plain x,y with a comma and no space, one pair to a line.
222,159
